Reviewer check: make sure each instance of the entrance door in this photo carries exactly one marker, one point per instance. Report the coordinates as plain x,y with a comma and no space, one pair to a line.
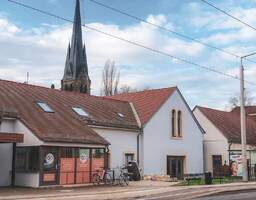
49,166
175,166
67,165
216,164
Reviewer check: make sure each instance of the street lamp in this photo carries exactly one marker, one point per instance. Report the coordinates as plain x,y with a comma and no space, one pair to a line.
243,120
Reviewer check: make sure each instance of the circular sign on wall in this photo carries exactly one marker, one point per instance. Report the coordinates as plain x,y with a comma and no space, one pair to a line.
49,159
83,158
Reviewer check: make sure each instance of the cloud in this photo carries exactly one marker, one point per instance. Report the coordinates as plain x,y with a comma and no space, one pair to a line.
41,51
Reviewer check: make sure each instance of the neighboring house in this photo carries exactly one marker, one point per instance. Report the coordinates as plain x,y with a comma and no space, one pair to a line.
222,138
170,141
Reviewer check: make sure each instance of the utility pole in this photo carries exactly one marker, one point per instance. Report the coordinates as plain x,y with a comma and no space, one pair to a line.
243,120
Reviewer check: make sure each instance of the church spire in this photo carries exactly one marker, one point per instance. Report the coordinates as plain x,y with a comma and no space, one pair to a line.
76,76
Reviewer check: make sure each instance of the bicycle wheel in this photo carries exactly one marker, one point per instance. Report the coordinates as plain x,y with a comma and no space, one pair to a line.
96,179
121,180
108,179
126,179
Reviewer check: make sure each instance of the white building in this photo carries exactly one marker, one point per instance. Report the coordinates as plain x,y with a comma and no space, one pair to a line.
222,138
170,141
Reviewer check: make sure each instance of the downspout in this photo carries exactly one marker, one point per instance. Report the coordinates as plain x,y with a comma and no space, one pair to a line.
140,130
138,144
107,156
229,147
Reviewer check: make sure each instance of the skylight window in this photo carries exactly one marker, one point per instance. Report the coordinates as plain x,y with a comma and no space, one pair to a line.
80,111
45,107
120,115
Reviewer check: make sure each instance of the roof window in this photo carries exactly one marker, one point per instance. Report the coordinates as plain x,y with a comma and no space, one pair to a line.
45,107
80,111
120,115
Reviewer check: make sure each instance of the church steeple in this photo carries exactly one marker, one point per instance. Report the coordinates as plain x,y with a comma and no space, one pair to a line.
76,76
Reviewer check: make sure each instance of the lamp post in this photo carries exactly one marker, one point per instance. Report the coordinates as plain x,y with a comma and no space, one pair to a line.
243,120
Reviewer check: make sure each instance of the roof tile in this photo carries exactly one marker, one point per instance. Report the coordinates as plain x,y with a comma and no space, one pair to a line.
229,124
146,102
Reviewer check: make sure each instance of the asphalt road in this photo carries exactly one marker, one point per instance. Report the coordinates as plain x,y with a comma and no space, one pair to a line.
188,195
242,195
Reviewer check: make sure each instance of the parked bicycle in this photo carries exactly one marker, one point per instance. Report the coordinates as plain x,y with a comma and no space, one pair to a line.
124,176
103,176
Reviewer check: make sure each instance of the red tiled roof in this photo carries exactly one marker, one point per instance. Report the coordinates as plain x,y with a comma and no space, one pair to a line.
249,110
229,124
11,138
64,125
146,102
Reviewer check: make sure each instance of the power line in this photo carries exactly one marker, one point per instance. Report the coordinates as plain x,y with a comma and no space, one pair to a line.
167,29
130,42
226,13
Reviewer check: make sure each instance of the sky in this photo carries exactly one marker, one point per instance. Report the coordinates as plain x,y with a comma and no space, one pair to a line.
36,43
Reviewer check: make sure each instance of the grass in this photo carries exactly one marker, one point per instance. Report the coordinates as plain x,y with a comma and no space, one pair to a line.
201,181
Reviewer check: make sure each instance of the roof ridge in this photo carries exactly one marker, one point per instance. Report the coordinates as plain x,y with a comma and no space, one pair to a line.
113,99
204,107
57,90
143,91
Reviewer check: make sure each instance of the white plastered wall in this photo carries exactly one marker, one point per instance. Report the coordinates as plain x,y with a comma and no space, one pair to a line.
22,179
6,154
158,142
215,143
122,141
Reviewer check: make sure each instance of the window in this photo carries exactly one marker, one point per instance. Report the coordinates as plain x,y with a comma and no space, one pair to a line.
128,158
173,123
68,152
80,111
44,107
179,124
176,124
98,153
27,159
120,115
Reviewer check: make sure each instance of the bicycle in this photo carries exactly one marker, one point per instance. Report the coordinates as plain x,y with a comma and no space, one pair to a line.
124,176
102,177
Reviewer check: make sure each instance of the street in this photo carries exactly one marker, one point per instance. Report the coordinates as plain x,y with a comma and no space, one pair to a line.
241,195
144,190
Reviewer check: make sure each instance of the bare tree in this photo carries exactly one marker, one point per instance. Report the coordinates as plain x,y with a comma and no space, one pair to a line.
129,89
235,100
110,79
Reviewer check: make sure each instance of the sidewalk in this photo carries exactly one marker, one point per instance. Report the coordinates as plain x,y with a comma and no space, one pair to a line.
143,190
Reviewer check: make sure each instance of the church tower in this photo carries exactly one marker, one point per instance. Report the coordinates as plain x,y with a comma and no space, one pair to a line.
76,76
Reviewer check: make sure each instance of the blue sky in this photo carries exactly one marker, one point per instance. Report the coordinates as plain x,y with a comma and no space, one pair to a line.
36,43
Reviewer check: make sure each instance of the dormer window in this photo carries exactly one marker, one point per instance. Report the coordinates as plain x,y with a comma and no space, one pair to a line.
45,107
80,111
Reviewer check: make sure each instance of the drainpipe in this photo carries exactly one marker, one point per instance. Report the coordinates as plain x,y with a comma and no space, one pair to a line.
107,156
138,145
13,163
229,147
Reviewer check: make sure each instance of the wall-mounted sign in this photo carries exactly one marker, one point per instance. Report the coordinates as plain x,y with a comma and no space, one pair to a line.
83,157
49,160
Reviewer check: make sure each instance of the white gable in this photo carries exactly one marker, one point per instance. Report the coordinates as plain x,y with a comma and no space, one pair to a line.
158,142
